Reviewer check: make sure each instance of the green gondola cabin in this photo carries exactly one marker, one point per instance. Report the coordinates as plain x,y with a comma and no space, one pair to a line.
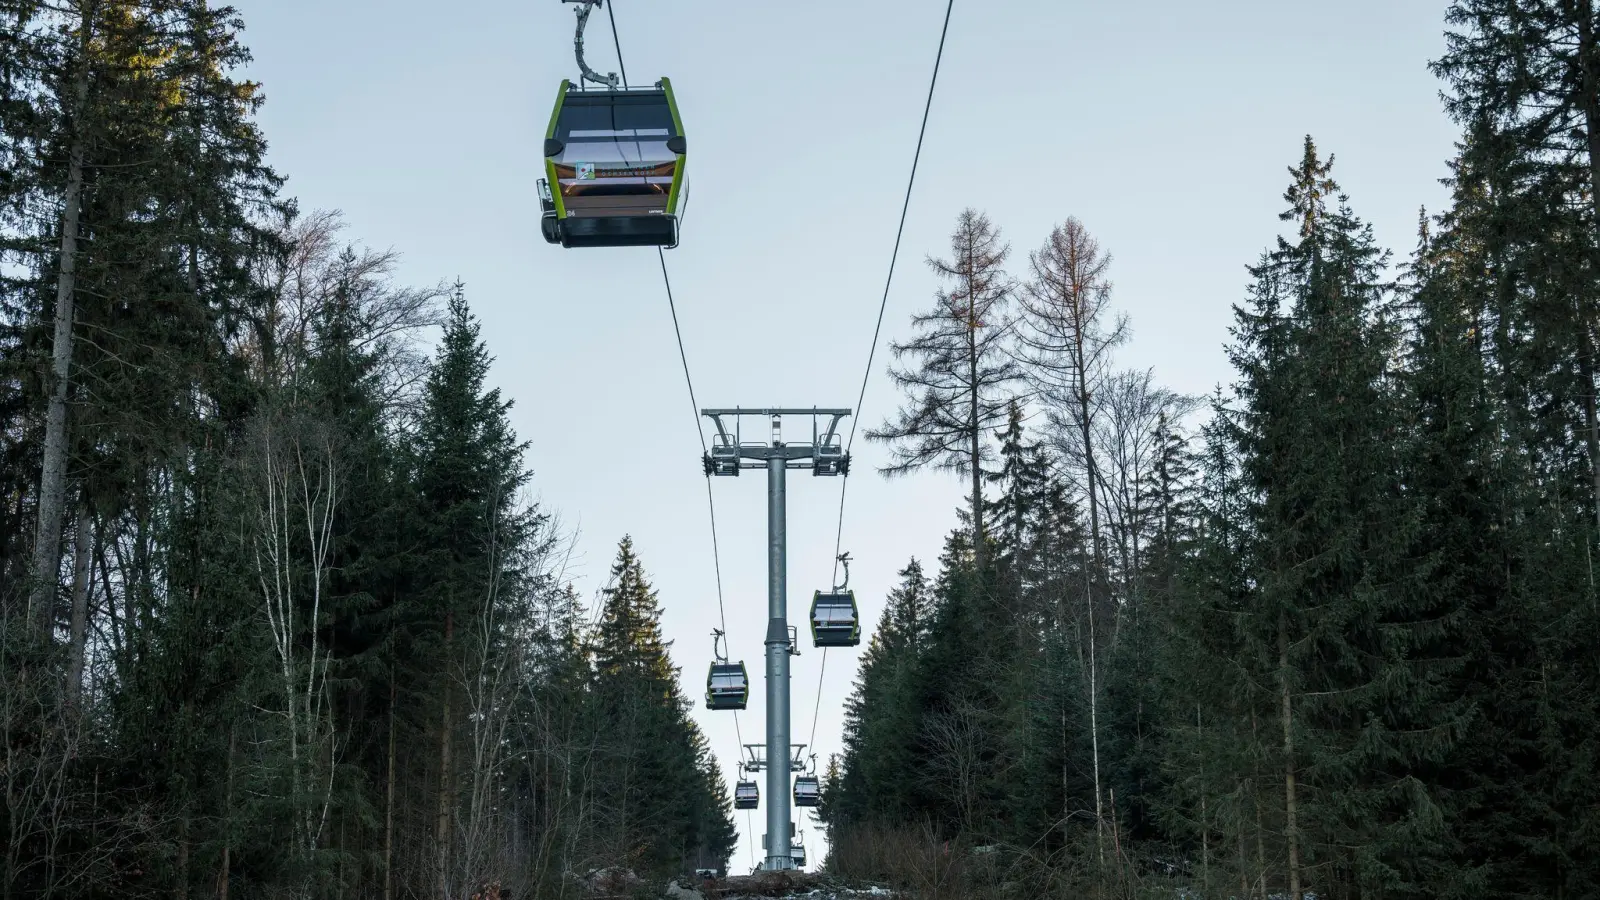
613,168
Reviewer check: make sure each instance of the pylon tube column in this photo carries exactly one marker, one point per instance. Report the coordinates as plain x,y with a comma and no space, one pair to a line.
779,855
778,457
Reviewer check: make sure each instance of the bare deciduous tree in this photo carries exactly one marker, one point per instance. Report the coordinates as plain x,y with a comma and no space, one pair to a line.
957,767
1128,434
314,271
297,492
1066,344
486,679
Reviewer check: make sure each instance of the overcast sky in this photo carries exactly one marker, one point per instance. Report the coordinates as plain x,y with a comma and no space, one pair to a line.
1165,126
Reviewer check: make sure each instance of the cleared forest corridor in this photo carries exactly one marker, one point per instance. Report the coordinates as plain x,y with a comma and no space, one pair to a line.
286,612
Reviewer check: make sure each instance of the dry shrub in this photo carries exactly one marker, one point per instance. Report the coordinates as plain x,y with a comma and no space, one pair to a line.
763,884
1074,871
918,863
913,859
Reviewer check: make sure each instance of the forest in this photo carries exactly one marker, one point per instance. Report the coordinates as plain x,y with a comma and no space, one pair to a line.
280,616
1328,631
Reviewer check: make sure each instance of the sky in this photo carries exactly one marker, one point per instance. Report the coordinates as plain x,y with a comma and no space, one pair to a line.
1165,126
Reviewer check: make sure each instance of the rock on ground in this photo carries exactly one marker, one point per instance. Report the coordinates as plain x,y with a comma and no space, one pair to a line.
676,891
782,885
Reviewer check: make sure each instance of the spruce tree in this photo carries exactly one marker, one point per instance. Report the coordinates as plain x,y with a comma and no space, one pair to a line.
651,781
1525,228
469,551
879,780
1335,611
1523,82
963,675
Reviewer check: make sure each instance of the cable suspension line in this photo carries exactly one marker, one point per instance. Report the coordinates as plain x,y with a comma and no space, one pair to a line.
611,12
877,329
688,380
583,13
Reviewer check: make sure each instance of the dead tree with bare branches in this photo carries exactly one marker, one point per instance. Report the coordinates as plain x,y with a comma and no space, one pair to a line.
955,371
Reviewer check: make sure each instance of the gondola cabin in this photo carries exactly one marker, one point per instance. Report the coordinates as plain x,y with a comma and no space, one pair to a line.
613,168
727,686
835,621
746,795
798,854
807,791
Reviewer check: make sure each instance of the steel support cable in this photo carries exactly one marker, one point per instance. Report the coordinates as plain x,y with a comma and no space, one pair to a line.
817,710
711,503
899,234
611,12
877,329
750,829
894,258
694,410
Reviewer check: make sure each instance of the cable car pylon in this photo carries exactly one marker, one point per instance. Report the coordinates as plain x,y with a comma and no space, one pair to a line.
824,456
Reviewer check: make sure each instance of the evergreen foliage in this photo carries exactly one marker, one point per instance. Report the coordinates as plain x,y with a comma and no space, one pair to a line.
655,776
1338,617
278,619
311,639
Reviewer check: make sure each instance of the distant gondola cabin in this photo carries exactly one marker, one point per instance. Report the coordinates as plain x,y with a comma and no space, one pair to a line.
835,620
727,686
807,791
746,795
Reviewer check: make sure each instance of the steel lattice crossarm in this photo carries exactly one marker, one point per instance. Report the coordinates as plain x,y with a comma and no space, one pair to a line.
755,758
824,456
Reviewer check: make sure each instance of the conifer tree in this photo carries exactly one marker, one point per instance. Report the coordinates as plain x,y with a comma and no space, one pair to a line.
1511,565
1523,79
956,371
961,701
652,779
878,779
1463,541
1335,610
1522,84
470,544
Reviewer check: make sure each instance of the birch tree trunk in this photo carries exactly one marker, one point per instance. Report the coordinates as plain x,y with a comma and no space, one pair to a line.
442,834
1589,60
1290,799
78,635
299,474
53,475
388,804
1091,595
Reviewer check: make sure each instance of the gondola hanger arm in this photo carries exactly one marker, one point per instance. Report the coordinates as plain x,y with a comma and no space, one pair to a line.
585,7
